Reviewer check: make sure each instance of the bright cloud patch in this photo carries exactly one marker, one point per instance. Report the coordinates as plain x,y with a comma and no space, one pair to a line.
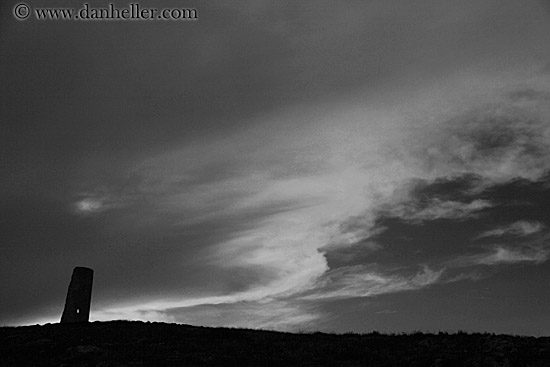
89,206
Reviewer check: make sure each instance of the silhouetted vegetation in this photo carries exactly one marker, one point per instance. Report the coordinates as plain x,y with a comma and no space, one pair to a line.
126,343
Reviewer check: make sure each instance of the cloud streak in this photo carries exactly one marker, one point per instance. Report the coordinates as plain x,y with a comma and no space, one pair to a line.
519,228
363,281
438,209
503,255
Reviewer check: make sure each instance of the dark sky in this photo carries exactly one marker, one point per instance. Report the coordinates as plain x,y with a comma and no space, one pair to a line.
313,165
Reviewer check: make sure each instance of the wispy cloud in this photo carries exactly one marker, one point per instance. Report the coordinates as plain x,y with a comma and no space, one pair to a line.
437,209
365,281
503,255
269,314
536,253
519,228
100,200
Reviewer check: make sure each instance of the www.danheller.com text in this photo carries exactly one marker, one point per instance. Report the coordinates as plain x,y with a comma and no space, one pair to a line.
133,11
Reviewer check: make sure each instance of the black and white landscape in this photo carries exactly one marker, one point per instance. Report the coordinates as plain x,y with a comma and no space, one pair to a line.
333,166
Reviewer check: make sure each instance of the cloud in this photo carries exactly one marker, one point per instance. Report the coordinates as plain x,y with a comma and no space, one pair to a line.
272,314
365,281
436,210
88,205
519,228
321,188
497,142
536,252
93,203
502,255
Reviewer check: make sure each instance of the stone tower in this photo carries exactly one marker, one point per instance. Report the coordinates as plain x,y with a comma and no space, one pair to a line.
79,296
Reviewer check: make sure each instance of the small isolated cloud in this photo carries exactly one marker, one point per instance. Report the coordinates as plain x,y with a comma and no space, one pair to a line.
88,205
100,200
437,209
519,228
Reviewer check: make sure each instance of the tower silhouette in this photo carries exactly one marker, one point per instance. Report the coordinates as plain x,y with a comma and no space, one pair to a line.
79,296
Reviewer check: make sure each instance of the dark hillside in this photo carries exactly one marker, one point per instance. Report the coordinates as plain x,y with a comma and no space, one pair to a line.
125,343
